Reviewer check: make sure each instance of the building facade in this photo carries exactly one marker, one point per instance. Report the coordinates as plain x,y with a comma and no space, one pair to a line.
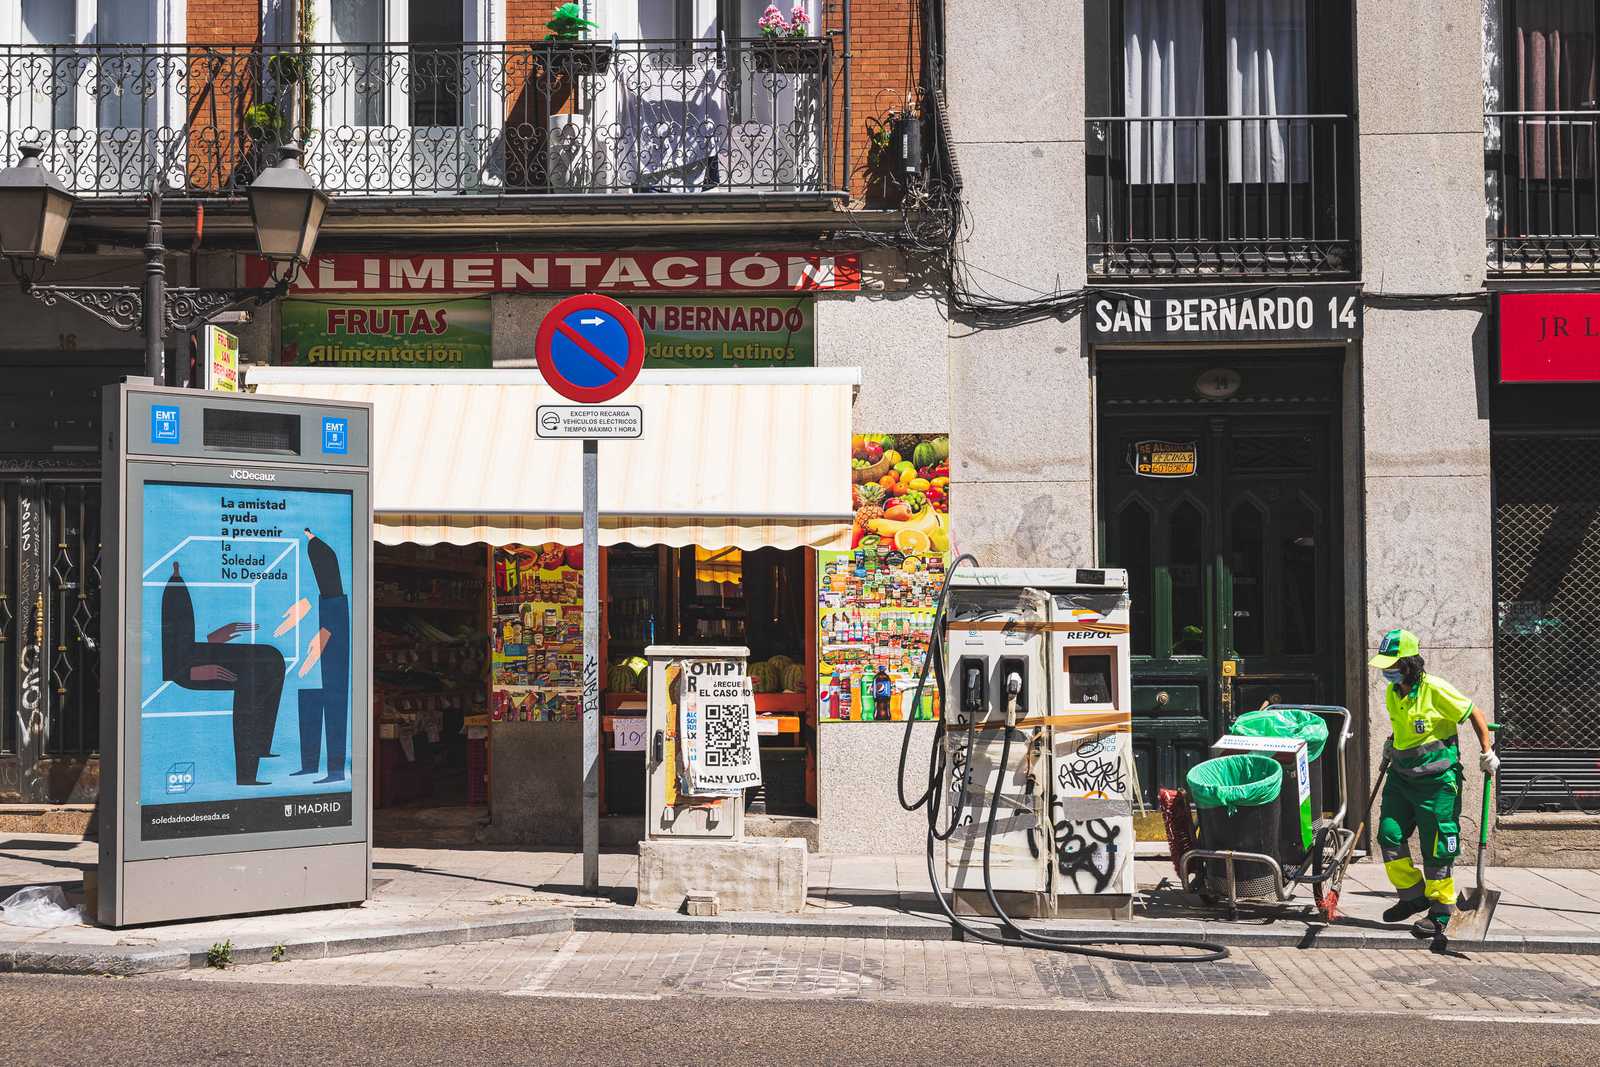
1258,299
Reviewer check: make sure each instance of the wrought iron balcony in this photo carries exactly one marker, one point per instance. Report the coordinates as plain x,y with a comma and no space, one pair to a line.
1542,177
394,119
1237,196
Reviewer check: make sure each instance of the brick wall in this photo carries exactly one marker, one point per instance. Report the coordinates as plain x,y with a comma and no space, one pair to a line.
884,75
221,85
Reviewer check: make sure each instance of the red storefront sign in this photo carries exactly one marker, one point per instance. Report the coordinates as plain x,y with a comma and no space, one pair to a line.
1549,337
603,272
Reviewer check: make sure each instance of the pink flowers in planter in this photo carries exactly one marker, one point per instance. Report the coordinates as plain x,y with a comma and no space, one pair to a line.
773,24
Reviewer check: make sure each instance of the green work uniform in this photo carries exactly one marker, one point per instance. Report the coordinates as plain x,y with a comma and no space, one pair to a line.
1424,790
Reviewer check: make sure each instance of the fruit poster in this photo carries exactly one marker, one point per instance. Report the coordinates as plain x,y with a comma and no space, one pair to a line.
538,633
875,603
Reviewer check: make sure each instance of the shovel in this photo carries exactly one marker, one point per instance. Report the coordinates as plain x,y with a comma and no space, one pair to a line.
1475,909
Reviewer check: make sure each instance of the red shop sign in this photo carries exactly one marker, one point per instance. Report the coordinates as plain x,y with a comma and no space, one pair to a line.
550,272
1549,337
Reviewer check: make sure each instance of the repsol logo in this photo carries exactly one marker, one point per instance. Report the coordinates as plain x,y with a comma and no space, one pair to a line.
320,807
239,474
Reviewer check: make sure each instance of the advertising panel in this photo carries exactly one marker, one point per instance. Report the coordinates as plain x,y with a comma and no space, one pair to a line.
407,333
244,693
875,603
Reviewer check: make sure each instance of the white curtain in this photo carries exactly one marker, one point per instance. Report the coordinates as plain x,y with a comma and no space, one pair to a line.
1164,75
1267,76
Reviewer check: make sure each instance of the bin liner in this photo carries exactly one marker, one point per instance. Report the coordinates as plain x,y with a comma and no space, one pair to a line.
1292,723
1233,782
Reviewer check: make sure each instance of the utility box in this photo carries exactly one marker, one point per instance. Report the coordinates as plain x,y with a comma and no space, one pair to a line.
676,674
1063,840
236,653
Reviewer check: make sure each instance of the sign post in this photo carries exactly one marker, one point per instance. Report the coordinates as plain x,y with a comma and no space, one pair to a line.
590,350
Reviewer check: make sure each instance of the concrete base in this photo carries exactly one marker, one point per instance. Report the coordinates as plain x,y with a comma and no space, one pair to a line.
1036,906
764,876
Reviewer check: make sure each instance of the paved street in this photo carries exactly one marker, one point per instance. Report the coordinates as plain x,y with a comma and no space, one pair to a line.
65,1021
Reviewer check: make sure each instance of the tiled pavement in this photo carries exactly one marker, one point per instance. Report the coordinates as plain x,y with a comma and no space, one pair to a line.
653,966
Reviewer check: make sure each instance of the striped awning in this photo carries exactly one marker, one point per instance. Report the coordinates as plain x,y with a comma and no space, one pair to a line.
729,458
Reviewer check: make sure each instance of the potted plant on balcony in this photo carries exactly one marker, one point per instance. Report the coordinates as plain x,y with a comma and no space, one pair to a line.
786,47
567,52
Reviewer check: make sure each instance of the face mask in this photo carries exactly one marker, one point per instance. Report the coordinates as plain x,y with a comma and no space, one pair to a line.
1394,676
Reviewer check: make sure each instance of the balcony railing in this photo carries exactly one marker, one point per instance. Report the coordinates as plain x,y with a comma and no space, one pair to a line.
1213,196
1542,178
392,119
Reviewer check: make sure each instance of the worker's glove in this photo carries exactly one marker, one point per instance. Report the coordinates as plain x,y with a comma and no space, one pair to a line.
1488,762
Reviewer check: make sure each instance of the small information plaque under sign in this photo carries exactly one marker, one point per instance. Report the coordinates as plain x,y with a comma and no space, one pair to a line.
593,422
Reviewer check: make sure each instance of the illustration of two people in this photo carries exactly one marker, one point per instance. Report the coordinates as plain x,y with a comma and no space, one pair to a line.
255,673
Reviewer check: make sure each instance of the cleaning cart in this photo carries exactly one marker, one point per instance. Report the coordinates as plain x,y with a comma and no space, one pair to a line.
1261,834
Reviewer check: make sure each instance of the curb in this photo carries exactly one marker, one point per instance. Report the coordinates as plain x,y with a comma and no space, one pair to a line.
298,944
309,943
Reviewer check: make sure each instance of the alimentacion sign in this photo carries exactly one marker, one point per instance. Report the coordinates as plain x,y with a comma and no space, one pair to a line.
419,334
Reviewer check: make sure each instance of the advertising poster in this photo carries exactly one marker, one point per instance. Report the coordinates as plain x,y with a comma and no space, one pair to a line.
221,360
416,334
709,331
875,603
538,633
717,731
244,686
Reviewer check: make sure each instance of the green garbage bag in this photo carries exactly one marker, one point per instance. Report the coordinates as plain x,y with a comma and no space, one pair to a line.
1293,723
1248,780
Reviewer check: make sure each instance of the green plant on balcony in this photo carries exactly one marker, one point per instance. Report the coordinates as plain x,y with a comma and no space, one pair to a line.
265,123
567,53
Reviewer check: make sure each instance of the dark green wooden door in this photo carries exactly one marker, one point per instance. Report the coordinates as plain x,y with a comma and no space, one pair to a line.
1225,513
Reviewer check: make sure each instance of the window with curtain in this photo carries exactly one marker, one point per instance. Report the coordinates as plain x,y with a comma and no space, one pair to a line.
1553,68
1170,73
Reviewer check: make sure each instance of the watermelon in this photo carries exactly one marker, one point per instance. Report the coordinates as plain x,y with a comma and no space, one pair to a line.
794,678
924,455
941,448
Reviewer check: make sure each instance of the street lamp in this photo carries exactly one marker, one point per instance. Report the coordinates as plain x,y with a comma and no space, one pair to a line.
286,211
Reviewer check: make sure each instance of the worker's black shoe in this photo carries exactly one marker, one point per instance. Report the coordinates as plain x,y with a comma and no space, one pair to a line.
1400,912
1431,928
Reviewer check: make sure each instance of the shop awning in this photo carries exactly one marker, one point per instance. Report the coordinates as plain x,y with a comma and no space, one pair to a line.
729,459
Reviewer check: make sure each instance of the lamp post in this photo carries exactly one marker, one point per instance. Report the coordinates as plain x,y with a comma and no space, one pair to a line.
286,210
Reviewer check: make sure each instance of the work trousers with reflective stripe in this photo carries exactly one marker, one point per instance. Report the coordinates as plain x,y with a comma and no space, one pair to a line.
1431,807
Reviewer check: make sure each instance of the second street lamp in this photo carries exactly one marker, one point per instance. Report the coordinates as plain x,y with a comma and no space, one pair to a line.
286,211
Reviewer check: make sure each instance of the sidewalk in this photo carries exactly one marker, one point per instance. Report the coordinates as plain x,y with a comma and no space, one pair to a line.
425,897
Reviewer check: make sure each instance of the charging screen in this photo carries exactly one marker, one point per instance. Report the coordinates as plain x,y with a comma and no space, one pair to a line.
1089,680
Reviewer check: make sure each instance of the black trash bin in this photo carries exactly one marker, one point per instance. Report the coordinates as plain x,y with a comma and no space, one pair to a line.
1237,798
1296,724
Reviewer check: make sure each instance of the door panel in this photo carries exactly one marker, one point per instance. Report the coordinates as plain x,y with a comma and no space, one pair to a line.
1233,567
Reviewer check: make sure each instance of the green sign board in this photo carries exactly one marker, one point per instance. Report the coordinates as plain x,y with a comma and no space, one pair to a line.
732,331
417,334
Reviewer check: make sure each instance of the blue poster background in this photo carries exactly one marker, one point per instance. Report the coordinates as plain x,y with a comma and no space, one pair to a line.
242,557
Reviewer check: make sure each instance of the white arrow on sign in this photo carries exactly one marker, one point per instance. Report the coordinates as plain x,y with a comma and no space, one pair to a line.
596,321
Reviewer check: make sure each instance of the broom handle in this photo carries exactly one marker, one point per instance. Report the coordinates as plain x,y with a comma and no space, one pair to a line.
1483,822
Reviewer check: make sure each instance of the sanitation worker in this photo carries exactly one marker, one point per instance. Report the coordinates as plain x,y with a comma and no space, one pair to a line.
1423,793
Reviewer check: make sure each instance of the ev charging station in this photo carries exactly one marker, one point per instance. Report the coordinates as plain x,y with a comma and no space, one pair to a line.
238,588
1041,656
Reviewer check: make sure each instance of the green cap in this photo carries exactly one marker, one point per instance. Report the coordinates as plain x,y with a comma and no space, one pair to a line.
1396,645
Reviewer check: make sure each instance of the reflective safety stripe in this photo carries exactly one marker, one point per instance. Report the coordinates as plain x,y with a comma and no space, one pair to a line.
1403,874
1414,762
1391,853
1435,874
1442,892
1429,769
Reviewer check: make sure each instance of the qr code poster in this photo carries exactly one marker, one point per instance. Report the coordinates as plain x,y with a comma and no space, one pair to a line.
717,730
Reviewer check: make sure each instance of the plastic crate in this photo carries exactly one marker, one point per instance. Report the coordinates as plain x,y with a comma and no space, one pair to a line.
477,770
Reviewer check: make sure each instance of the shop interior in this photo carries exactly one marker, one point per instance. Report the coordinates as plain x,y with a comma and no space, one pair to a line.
467,636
